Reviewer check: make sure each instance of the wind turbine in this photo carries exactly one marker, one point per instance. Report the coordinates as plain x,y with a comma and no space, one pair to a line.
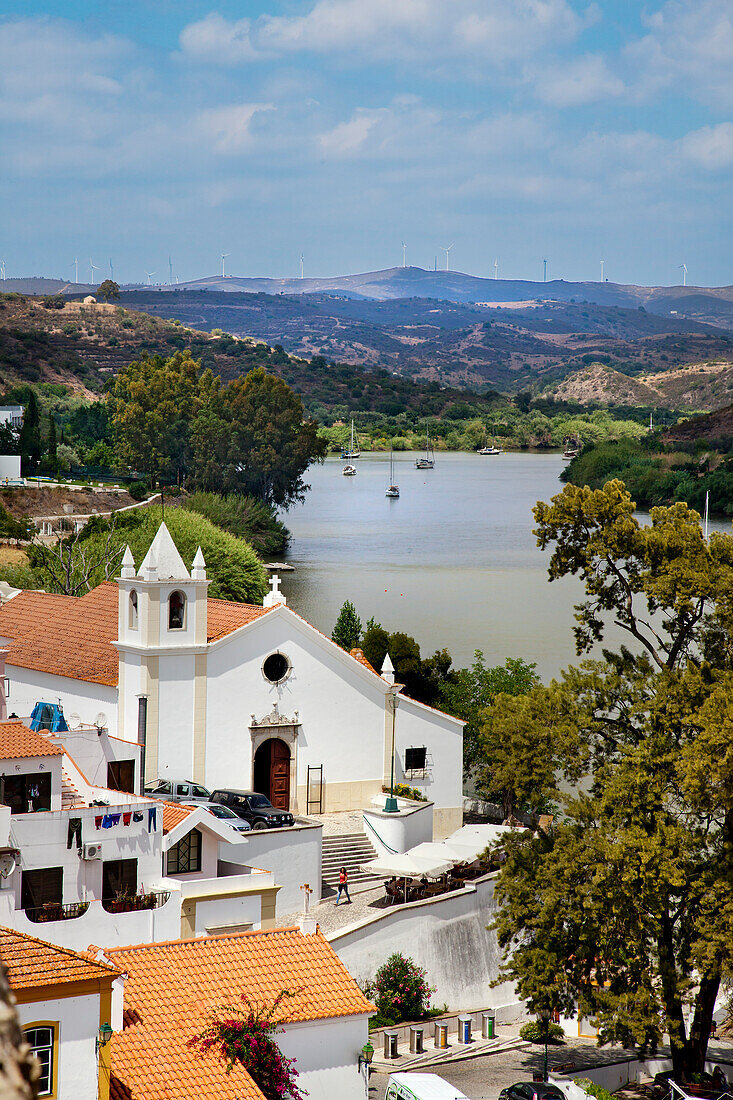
544,278
404,254
93,267
447,251
302,261
76,271
170,271
111,269
3,276
496,269
149,273
223,258
683,268
603,267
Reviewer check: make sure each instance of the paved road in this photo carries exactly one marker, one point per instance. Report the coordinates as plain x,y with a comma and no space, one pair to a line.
482,1078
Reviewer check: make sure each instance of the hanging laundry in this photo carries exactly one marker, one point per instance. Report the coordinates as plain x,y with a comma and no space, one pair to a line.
127,818
98,821
138,815
152,818
74,832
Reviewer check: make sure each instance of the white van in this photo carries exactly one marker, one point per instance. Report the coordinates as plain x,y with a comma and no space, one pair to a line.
421,1086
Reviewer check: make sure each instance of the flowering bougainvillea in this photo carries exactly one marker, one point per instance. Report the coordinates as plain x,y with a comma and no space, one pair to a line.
244,1033
400,990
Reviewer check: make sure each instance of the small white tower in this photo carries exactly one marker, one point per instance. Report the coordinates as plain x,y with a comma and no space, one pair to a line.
274,597
387,669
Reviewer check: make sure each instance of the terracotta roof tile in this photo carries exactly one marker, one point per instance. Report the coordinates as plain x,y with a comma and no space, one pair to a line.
32,963
171,986
173,814
16,741
72,635
358,655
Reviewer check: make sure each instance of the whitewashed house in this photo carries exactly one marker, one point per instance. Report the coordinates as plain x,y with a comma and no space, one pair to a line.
227,694
65,1008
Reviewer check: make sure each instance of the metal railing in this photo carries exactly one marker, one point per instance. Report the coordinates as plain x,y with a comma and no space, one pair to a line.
136,903
54,911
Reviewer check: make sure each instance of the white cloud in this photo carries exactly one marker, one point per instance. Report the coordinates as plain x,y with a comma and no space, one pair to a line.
428,32
581,80
229,128
710,147
689,46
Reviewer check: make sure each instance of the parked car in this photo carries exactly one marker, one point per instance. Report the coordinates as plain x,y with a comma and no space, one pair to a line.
532,1090
421,1086
253,807
177,790
223,813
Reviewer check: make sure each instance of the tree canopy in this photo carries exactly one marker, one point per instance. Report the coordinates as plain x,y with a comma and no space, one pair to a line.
623,910
108,290
347,628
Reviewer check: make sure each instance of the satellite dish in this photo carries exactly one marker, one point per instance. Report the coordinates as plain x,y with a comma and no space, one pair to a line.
101,721
74,721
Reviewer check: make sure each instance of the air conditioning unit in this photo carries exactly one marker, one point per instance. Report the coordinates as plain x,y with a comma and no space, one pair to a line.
91,851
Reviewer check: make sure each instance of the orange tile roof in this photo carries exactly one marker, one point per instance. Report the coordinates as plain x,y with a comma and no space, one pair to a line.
173,814
358,655
32,963
170,988
72,635
17,741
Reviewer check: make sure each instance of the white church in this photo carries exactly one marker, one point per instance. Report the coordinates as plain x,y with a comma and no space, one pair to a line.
227,694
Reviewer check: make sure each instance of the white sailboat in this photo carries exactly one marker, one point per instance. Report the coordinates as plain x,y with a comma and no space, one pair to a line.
353,451
393,490
492,450
428,462
349,469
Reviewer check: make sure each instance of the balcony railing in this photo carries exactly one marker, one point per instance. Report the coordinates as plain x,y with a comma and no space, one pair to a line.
134,903
53,911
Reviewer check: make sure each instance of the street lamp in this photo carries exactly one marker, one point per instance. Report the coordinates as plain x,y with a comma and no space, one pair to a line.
390,805
545,1015
365,1057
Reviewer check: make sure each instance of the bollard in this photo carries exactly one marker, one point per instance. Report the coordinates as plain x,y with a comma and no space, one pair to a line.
488,1025
416,1046
441,1036
390,1044
464,1029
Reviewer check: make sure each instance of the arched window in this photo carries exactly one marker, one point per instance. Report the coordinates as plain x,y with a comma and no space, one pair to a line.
176,611
133,610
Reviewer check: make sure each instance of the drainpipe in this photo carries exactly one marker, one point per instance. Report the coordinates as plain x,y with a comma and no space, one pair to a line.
142,731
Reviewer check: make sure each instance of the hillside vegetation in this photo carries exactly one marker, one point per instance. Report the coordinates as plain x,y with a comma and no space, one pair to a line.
697,386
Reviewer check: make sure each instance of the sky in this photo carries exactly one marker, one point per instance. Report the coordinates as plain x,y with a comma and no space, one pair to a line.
513,130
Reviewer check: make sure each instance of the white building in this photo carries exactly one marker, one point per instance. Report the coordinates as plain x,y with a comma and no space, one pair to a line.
65,1010
170,988
227,694
12,415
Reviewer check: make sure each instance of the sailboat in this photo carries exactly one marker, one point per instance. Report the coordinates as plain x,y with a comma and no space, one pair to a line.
353,451
428,462
392,489
349,469
492,450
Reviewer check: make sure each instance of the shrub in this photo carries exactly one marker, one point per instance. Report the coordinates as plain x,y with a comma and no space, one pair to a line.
401,790
243,516
400,991
592,1089
138,490
534,1032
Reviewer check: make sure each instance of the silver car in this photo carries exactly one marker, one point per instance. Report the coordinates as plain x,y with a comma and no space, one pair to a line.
223,813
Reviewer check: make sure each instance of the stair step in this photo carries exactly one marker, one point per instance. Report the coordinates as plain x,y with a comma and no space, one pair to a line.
349,850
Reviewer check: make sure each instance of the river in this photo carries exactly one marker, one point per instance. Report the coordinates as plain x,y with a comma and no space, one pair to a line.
452,562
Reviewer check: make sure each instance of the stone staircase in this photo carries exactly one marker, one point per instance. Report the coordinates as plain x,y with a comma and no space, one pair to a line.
347,850
70,796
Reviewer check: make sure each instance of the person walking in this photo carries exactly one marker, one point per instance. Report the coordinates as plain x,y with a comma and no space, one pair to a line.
343,886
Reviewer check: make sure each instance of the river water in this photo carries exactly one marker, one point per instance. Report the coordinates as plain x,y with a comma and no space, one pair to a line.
452,562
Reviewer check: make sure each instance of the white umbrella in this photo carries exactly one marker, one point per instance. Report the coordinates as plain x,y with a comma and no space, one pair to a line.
438,850
407,865
472,840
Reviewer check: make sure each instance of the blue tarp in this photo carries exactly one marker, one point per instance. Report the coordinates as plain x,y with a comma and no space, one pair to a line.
48,716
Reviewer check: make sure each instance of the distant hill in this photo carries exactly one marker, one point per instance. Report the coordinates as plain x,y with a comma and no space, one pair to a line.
707,385
715,428
453,343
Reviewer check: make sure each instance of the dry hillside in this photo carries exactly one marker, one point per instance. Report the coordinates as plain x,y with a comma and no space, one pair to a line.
707,386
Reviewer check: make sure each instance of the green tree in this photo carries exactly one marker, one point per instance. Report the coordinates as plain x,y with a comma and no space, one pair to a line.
347,628
108,290
151,405
469,691
52,443
29,441
624,910
253,438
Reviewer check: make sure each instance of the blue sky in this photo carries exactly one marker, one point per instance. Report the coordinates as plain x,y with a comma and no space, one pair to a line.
512,129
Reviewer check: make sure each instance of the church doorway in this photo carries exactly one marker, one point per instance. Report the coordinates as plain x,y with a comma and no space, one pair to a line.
272,772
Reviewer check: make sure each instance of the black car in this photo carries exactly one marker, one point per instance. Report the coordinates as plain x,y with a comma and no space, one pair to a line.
532,1090
255,808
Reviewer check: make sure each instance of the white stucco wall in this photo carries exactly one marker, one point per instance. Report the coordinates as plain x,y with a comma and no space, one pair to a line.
447,936
391,833
78,1026
417,726
92,752
293,855
327,1055
218,913
10,467
37,765
28,687
175,715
